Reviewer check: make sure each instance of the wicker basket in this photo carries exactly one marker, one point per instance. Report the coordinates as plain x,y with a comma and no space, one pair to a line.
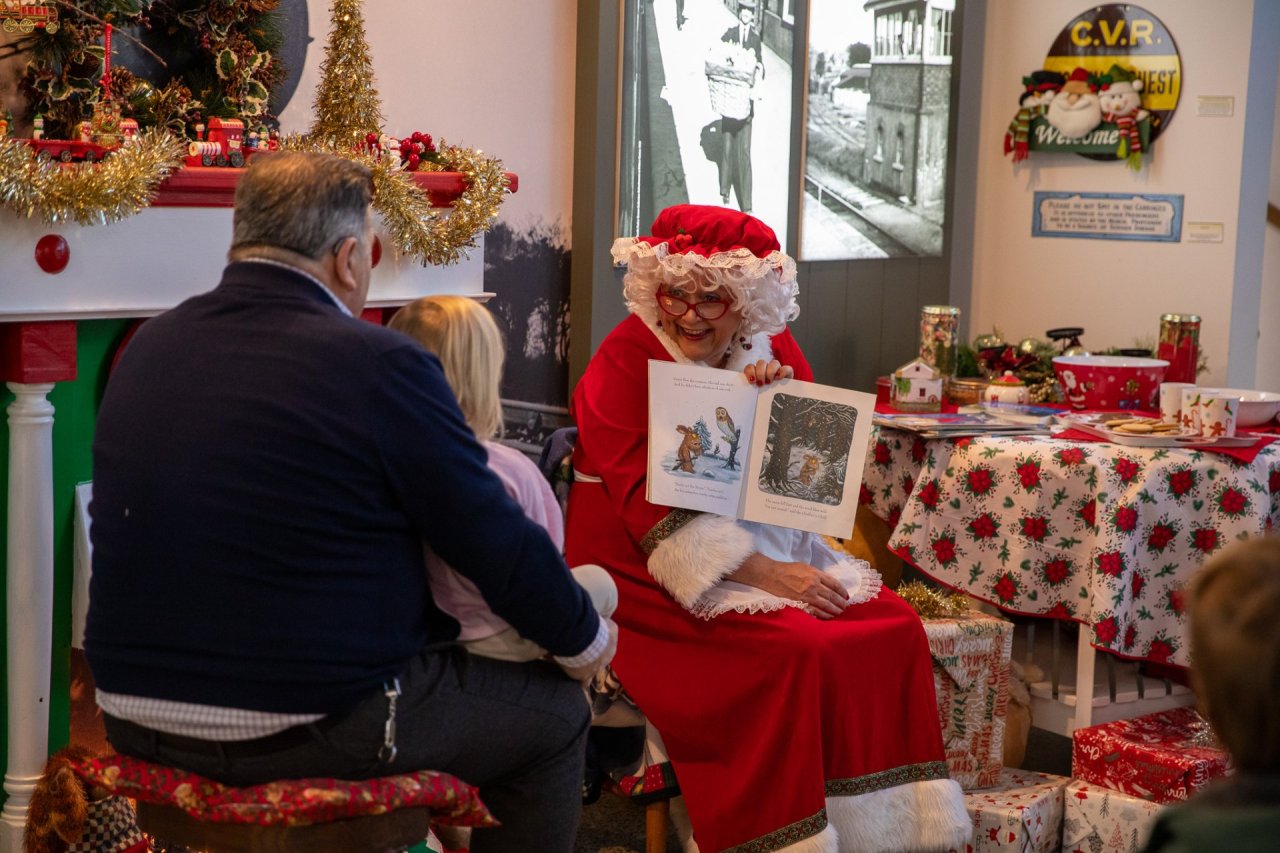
730,97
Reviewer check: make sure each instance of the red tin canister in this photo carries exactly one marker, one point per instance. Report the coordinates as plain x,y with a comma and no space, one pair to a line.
1180,346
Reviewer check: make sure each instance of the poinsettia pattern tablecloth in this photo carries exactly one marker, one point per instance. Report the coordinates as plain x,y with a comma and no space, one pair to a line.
1099,533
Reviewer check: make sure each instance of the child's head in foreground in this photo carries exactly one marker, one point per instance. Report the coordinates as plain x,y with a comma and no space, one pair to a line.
1235,648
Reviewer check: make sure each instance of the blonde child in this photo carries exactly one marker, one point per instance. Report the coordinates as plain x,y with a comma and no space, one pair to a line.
463,335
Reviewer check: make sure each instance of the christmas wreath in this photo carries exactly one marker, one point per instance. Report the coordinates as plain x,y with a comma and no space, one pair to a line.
208,57
235,42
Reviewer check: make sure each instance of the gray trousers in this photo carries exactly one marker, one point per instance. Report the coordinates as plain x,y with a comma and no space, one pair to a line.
517,731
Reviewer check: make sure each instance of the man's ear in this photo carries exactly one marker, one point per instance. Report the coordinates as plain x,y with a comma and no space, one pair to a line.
343,256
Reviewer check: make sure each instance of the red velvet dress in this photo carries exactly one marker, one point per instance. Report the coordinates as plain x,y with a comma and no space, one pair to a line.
769,718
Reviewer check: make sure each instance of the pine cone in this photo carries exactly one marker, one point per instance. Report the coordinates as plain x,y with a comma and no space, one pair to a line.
223,14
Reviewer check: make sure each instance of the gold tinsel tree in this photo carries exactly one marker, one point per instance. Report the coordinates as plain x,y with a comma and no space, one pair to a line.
348,110
347,105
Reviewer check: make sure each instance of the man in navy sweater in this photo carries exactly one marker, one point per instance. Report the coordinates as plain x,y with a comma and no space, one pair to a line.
267,468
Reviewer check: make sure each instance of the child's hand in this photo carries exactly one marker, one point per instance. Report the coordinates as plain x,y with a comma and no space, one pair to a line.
762,372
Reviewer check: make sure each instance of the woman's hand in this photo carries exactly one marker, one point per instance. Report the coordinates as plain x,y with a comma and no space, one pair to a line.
824,595
763,372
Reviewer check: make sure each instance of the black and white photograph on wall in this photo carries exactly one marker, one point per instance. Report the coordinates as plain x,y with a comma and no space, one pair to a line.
706,108
876,132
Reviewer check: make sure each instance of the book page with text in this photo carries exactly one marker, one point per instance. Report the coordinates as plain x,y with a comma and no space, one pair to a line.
805,466
700,422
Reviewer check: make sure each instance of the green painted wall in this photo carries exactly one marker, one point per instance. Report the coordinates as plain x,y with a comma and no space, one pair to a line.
75,410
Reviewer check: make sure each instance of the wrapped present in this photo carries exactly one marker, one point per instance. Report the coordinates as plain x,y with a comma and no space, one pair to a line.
1098,820
971,679
1023,812
1161,757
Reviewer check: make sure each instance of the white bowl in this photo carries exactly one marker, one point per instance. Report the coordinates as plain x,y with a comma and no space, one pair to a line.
1256,407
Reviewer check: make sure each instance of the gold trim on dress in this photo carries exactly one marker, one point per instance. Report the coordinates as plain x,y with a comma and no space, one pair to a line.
670,523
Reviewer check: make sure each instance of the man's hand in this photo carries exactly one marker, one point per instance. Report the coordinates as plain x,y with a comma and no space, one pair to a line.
825,596
587,671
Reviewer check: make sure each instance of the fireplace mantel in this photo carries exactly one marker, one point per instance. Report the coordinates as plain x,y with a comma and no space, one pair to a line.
176,248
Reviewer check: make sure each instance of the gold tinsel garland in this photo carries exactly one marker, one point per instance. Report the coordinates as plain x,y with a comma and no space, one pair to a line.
932,603
87,193
413,225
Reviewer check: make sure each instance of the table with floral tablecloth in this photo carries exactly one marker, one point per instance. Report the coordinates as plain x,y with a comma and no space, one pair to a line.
1098,533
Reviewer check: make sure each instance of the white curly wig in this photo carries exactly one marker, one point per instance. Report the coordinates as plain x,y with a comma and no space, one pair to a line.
763,289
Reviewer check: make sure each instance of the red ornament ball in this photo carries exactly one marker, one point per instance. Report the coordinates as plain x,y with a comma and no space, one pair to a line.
52,253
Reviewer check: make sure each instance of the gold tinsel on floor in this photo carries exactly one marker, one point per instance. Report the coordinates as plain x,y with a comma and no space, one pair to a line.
86,193
348,111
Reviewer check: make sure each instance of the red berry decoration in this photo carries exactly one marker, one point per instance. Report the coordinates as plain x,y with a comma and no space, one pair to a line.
414,148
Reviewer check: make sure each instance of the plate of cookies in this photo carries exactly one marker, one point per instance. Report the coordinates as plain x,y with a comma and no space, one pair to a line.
1138,431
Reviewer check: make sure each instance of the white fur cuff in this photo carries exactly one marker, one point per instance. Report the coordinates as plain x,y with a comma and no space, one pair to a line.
919,816
694,558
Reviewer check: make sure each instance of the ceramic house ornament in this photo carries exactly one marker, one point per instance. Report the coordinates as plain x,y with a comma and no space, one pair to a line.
916,387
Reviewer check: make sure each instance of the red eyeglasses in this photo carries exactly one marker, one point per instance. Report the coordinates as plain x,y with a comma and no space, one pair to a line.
675,306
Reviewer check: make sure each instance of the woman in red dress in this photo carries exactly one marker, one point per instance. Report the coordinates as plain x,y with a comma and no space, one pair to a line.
794,696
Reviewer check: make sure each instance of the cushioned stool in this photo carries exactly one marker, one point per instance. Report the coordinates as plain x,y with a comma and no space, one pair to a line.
390,813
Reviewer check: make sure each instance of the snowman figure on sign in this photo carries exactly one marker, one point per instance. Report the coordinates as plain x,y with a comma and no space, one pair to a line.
1120,94
1038,90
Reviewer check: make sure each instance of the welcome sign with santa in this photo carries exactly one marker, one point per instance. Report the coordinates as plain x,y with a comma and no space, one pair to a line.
1108,88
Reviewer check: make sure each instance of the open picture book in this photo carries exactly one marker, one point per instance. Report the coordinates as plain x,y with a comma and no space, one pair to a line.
789,454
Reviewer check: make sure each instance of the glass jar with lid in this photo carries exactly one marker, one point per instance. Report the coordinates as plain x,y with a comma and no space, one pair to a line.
940,337
1179,344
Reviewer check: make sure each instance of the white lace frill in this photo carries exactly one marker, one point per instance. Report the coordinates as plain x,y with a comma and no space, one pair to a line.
862,582
764,289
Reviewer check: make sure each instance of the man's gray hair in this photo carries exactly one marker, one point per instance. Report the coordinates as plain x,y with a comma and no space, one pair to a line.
301,202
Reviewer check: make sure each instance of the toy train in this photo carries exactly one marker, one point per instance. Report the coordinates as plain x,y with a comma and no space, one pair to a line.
225,145
222,146
89,148
26,17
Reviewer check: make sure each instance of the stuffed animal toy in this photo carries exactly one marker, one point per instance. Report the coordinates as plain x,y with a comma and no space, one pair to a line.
1121,99
1075,111
66,817
1038,90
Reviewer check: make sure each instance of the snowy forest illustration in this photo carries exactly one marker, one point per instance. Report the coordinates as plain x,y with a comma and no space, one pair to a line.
806,451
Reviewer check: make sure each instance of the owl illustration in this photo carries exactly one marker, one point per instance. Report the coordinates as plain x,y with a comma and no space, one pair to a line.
726,424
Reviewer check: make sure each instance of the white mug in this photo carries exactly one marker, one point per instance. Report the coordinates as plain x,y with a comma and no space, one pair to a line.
1171,400
1191,410
1218,415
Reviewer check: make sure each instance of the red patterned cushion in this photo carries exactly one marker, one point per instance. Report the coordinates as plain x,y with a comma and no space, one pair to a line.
291,802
